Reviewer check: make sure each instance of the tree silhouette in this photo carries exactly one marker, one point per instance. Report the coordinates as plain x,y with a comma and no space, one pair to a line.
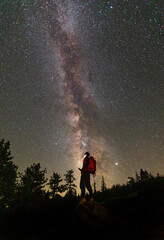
143,176
103,185
54,184
70,186
94,187
8,174
33,181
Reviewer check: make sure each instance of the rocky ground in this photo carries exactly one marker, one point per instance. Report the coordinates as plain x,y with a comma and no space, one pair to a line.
129,217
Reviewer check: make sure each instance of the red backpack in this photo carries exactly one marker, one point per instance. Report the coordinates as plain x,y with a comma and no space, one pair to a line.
92,165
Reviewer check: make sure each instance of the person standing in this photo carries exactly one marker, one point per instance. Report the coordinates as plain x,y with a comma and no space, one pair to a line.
85,177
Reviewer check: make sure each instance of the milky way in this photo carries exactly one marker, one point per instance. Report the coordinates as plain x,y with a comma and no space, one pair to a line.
80,108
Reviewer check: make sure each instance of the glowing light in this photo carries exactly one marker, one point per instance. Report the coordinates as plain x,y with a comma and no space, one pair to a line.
116,163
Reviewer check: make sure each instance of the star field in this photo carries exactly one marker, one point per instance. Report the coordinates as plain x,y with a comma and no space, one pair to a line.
82,76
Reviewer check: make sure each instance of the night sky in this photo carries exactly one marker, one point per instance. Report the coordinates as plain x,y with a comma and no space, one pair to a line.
83,75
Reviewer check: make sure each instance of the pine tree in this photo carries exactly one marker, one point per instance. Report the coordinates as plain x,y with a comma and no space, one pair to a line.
94,187
33,181
8,174
103,185
70,186
54,184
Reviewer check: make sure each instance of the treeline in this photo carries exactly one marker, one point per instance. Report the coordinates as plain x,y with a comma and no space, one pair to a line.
144,184
30,186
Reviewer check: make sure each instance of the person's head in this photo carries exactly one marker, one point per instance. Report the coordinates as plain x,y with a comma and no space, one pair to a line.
87,154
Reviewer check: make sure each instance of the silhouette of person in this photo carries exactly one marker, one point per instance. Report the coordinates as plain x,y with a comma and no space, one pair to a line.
85,178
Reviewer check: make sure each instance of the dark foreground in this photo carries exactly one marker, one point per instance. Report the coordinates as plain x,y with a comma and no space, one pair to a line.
135,216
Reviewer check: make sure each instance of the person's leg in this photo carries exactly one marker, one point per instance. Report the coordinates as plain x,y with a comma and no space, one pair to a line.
82,185
88,185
